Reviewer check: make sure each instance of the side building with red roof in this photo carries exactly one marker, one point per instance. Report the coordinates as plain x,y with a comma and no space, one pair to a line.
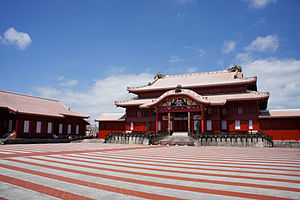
111,122
211,102
283,125
27,116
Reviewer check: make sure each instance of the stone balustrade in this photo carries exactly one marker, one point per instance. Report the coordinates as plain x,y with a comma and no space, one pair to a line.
224,139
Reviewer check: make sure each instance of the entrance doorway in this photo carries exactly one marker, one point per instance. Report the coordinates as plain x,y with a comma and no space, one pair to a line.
180,122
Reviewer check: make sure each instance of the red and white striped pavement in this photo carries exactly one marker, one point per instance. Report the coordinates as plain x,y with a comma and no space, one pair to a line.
118,171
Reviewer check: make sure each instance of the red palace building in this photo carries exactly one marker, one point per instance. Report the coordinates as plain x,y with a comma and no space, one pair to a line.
24,116
222,101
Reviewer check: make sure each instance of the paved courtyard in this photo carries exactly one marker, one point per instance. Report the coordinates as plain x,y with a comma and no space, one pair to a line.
115,171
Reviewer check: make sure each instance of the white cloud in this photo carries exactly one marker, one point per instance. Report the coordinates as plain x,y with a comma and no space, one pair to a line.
60,78
69,83
243,58
101,95
175,59
280,77
48,92
229,46
192,69
269,43
258,4
19,39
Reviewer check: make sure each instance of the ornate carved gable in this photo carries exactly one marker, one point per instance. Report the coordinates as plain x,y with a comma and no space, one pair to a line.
178,101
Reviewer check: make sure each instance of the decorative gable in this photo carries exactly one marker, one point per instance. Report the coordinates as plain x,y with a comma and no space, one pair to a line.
178,101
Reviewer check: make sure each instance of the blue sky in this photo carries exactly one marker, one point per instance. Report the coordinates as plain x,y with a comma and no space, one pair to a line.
85,53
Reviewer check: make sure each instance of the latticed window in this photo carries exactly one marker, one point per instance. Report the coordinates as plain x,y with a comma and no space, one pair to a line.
250,124
159,126
38,126
237,124
240,111
139,113
131,126
49,127
209,111
224,111
208,125
69,128
26,126
77,129
224,125
60,129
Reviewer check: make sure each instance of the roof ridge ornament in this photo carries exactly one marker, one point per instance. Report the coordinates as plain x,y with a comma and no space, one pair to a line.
235,68
159,75
178,89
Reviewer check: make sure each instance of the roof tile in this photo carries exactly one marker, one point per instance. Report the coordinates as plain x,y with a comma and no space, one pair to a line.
194,80
111,117
35,105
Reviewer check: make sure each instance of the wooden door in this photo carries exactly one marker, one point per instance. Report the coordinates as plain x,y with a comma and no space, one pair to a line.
180,125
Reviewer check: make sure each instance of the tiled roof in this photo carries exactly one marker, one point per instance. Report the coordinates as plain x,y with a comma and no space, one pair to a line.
249,95
21,103
133,102
111,117
194,80
219,99
284,113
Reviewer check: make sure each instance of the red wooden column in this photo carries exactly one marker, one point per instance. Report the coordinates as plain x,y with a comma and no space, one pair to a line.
169,123
156,120
202,119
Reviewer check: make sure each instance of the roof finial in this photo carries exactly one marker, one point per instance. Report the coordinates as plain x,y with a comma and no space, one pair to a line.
159,75
178,89
235,68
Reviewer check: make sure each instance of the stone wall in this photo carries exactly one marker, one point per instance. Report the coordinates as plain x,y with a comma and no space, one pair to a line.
287,144
239,140
234,141
123,138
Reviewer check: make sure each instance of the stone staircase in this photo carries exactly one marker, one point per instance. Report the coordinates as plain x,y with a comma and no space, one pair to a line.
177,138
180,134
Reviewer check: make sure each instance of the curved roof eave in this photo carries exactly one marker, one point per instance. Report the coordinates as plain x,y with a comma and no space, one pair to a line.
75,115
146,88
170,93
252,98
41,114
124,105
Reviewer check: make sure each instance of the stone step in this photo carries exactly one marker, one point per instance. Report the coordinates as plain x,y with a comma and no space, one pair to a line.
177,138
175,143
180,134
